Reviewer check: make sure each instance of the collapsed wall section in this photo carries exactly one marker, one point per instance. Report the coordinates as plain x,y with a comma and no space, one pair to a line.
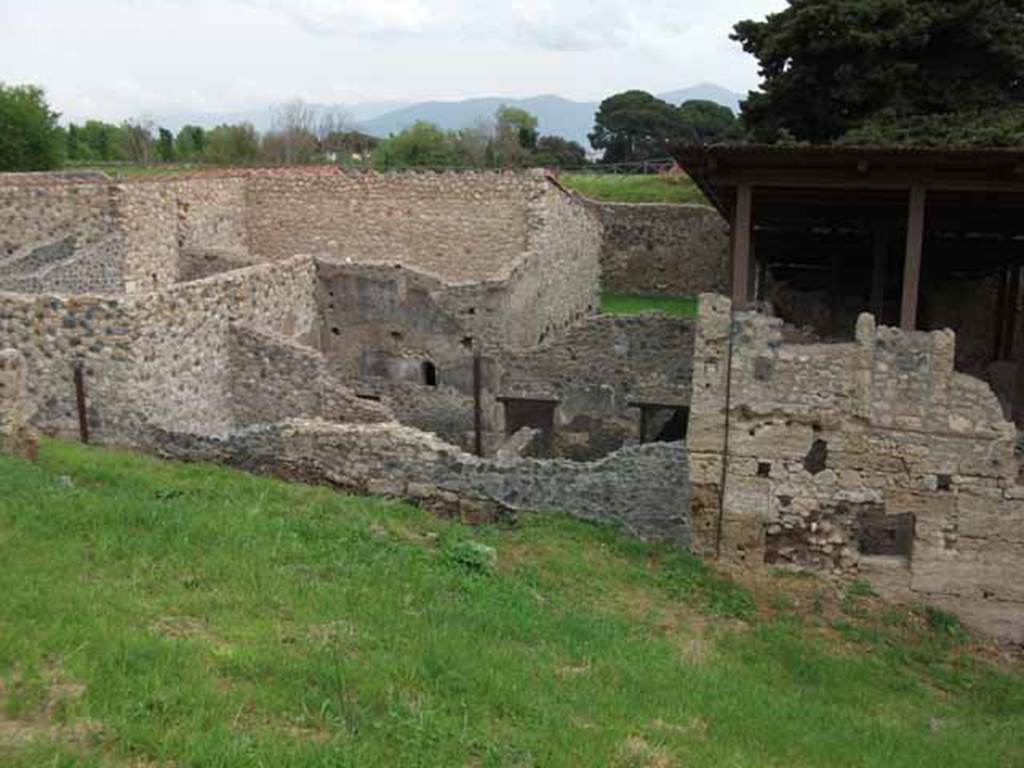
872,458
642,489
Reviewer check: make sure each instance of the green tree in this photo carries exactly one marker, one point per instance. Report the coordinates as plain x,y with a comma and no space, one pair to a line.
705,122
99,141
75,148
556,152
422,144
165,146
136,141
514,137
634,125
829,66
232,145
190,142
30,139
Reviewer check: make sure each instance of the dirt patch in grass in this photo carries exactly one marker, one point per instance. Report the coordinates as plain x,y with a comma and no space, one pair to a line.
48,720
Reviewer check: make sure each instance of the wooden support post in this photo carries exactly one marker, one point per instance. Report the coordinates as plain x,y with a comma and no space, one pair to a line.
741,242
1000,335
912,263
478,430
83,419
879,270
1012,298
752,284
835,290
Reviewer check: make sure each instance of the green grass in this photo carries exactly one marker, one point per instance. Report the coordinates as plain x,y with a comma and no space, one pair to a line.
632,304
635,188
154,613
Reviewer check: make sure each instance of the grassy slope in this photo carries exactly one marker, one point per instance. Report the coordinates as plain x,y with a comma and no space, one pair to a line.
631,304
157,613
626,188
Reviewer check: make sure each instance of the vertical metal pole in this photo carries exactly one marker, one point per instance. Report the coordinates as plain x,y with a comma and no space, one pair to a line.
83,419
478,430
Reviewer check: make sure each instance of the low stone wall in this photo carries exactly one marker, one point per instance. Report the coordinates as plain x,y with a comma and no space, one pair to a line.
643,489
663,249
831,450
161,356
15,435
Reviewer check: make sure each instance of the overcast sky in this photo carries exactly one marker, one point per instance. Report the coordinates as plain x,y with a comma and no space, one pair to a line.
123,58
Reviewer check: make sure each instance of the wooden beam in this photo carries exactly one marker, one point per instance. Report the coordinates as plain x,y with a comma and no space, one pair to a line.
912,262
879,269
741,241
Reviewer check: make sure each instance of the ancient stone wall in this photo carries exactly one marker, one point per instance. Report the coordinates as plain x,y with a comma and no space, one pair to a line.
161,356
872,458
91,236
557,282
599,371
59,236
643,489
274,378
663,249
15,435
457,226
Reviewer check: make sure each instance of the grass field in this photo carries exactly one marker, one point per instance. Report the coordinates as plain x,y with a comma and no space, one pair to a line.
626,188
631,304
159,614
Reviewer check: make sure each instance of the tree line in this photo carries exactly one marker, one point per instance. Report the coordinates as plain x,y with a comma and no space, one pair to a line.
873,72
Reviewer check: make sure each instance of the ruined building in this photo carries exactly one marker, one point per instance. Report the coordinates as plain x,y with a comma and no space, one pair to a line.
438,337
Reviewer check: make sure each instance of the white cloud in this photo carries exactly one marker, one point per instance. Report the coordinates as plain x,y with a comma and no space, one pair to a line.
116,58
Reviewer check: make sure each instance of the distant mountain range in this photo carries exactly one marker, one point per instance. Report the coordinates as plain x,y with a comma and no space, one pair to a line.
555,115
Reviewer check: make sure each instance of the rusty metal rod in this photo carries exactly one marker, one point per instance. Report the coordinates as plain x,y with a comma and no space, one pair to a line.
83,419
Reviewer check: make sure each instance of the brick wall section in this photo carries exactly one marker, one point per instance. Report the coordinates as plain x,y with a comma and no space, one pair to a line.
820,435
15,435
663,249
643,489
